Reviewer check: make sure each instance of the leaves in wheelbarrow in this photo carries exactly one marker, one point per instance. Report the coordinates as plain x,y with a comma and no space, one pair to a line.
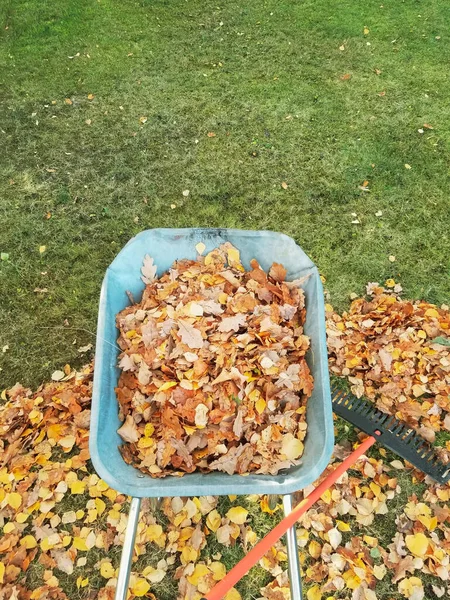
213,361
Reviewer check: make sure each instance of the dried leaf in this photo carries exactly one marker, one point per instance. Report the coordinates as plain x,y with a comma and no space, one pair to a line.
148,270
232,323
190,336
237,515
417,544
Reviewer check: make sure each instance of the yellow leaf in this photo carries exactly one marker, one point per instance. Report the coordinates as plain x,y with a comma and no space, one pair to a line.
233,594
154,532
14,500
107,570
42,249
79,514
140,587
188,554
326,497
149,430
237,515
429,522
146,442
213,520
167,385
218,570
390,283
233,255
366,31
77,487
407,166
2,572
8,528
29,542
55,430
68,101
370,541
82,582
432,312
100,506
417,544
199,572
260,405
21,517
80,544
265,507
291,447
200,247
91,96
342,526
314,593
315,549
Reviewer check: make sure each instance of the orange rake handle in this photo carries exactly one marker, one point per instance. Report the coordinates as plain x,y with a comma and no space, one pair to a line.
262,547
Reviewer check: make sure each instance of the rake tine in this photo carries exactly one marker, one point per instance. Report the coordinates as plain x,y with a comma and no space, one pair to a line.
391,432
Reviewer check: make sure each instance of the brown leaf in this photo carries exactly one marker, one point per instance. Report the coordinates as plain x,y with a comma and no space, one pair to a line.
129,432
277,272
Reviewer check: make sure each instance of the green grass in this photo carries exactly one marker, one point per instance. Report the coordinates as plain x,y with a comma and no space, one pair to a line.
264,76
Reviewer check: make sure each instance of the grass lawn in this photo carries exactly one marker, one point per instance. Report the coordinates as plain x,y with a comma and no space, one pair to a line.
266,78
108,110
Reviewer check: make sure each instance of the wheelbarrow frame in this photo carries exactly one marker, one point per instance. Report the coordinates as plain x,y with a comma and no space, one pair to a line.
123,276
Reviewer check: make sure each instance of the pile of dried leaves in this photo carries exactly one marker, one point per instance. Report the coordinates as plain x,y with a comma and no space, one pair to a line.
397,353
61,526
214,376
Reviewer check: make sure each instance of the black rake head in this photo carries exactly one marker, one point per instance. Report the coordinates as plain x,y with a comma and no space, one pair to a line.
389,432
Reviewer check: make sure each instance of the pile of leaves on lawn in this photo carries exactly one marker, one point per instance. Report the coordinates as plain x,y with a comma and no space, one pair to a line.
396,353
62,526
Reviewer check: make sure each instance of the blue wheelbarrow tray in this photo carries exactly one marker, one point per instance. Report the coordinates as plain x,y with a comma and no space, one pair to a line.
166,246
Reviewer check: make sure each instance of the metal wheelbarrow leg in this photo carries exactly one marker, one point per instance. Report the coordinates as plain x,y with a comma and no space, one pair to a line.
295,580
130,538
127,551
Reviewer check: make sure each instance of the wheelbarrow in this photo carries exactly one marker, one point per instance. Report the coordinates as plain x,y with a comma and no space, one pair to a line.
122,277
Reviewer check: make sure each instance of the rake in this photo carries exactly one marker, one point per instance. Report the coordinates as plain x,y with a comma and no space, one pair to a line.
383,428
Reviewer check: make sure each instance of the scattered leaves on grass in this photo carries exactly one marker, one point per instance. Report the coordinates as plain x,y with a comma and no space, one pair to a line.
213,361
386,347
56,513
